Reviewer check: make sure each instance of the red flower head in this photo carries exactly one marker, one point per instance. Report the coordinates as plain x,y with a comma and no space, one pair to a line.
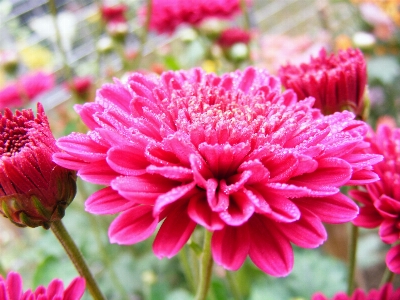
80,86
114,14
167,15
255,167
381,200
34,191
232,36
11,289
336,82
26,89
386,292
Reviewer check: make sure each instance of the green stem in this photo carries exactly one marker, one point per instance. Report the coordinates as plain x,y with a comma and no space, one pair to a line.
234,288
144,34
186,267
76,257
352,259
66,68
205,268
387,277
246,16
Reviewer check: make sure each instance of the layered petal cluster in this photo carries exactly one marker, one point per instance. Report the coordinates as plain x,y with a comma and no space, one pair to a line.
25,89
167,15
230,153
386,292
337,82
380,201
34,191
11,288
232,36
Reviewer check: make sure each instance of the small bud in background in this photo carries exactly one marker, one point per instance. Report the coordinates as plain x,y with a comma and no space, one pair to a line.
364,40
80,87
118,31
9,62
34,191
105,45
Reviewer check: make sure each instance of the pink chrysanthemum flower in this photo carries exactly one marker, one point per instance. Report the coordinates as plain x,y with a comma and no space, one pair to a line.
337,82
11,289
386,292
232,154
25,89
34,191
167,15
381,200
232,36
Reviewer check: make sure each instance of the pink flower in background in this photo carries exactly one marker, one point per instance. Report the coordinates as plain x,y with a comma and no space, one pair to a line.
11,288
380,201
386,292
114,14
230,153
167,15
232,36
337,82
26,89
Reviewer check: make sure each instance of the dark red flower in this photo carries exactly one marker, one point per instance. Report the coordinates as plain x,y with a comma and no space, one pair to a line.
34,191
337,82
232,36
114,14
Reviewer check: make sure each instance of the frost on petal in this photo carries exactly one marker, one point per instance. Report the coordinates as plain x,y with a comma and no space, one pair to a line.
240,209
307,232
270,250
200,212
330,209
173,233
68,161
175,194
142,189
127,160
133,225
393,259
98,172
107,201
230,246
331,172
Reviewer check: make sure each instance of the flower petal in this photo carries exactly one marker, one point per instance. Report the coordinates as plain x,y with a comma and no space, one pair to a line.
200,212
75,290
107,201
174,233
393,259
270,250
133,225
230,246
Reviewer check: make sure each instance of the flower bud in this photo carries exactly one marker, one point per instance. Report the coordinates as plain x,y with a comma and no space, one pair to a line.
34,191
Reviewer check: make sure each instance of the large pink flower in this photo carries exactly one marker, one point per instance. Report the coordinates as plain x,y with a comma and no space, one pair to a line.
11,289
231,153
337,82
386,292
25,89
167,15
381,200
